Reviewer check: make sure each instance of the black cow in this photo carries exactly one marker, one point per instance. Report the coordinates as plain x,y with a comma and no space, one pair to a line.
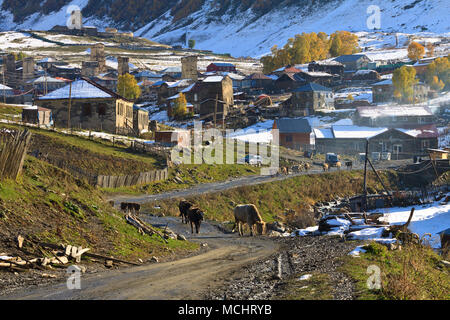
184,207
130,207
195,216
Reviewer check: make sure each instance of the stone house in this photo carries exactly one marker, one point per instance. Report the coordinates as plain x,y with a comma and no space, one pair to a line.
92,107
353,62
258,83
307,99
328,66
288,82
204,94
383,91
140,120
394,116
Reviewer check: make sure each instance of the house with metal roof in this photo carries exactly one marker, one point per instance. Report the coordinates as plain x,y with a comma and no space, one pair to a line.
221,67
295,133
308,99
353,62
85,104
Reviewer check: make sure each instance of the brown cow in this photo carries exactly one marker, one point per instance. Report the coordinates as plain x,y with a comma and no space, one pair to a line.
307,167
248,214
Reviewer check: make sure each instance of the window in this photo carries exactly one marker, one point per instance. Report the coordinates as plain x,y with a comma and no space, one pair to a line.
425,144
87,110
398,148
101,109
289,138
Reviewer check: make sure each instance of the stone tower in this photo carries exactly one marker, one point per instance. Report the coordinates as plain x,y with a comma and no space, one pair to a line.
28,69
189,68
90,69
9,68
124,67
98,54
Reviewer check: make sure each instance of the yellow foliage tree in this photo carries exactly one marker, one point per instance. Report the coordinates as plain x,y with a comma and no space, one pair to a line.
180,107
440,69
343,42
416,51
307,47
127,87
430,49
404,80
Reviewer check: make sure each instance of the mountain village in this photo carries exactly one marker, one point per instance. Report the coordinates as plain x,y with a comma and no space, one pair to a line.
90,118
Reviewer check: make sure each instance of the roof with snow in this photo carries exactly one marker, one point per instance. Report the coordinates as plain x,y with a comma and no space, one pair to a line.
393,110
44,79
222,64
386,82
172,70
312,86
350,58
3,87
298,125
258,76
352,132
81,89
213,79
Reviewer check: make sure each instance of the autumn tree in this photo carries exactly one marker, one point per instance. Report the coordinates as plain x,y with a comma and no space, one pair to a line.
128,88
342,43
179,110
307,47
438,74
404,80
430,49
416,51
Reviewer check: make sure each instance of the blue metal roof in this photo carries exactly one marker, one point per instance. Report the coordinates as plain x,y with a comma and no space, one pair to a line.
298,125
312,86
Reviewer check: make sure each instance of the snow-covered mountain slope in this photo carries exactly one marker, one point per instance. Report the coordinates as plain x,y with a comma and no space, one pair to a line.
249,32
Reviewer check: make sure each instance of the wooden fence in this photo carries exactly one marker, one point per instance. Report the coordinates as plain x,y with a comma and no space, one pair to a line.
132,180
113,182
14,146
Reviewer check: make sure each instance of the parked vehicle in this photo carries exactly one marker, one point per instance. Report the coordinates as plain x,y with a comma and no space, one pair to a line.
253,160
332,159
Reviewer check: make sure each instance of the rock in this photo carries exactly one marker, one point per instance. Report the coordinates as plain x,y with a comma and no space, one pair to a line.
273,233
46,275
154,260
204,245
181,237
141,261
445,263
109,263
82,268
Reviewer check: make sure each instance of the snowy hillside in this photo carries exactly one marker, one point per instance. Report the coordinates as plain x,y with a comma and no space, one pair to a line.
251,33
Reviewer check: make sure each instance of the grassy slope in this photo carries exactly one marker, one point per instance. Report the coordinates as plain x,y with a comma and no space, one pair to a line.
273,199
413,273
48,204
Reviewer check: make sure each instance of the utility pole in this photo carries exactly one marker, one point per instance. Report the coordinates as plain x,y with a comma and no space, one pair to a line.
365,177
4,86
215,111
70,107
46,85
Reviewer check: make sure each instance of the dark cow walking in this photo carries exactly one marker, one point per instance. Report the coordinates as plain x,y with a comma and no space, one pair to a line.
130,207
195,216
184,207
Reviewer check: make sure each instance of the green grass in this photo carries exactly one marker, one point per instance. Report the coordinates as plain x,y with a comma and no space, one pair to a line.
414,273
47,204
274,199
318,287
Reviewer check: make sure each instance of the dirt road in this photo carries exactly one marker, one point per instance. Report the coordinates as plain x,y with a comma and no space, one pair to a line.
189,278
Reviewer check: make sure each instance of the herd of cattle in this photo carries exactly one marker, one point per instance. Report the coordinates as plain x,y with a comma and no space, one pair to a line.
243,214
305,167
